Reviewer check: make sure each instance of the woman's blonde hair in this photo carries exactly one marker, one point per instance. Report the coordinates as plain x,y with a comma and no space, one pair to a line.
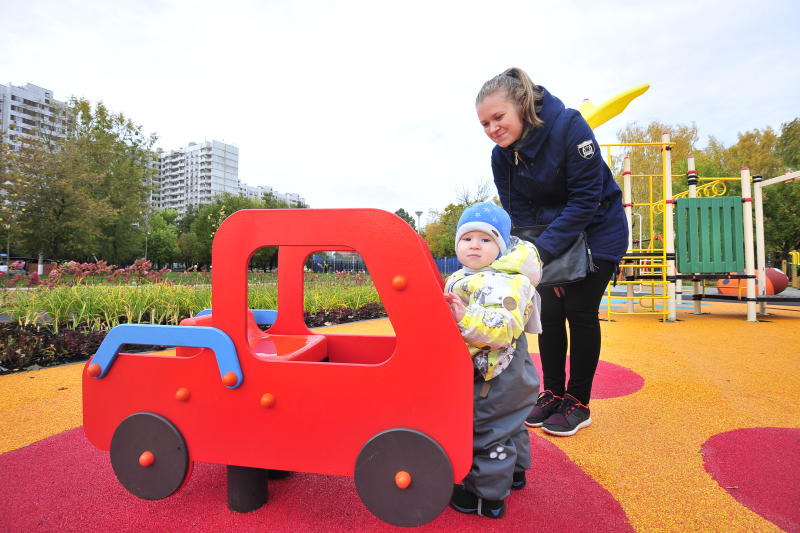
520,90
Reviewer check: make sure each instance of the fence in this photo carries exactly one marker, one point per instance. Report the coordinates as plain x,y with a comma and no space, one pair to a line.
354,263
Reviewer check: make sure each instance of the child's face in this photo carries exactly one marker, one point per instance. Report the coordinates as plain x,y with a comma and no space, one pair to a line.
477,249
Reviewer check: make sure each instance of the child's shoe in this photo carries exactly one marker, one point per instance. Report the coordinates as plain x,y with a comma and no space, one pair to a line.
464,501
546,405
518,481
571,416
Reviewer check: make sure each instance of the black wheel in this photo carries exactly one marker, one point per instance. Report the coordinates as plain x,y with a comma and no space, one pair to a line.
427,466
155,476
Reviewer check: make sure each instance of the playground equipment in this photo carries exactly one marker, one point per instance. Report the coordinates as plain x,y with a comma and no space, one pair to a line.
395,412
597,115
794,269
714,238
776,281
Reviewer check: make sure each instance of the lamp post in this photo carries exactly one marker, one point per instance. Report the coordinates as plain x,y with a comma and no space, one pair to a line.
146,234
419,223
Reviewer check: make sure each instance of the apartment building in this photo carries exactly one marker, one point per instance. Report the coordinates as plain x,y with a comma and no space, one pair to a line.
195,174
28,112
259,191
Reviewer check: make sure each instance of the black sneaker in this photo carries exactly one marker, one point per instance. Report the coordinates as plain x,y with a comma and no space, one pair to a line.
518,481
464,501
571,416
546,405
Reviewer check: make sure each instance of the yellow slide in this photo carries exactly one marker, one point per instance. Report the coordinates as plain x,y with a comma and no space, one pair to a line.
598,115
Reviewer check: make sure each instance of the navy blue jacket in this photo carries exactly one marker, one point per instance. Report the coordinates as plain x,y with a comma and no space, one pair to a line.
555,175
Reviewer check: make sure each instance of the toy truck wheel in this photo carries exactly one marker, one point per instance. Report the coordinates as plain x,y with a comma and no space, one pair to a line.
404,477
149,456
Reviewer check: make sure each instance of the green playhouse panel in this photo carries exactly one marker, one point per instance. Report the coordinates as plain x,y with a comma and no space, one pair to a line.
710,236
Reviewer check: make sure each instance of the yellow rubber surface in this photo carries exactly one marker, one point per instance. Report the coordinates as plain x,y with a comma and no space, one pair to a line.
703,375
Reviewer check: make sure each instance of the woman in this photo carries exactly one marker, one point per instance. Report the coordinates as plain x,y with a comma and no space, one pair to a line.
548,171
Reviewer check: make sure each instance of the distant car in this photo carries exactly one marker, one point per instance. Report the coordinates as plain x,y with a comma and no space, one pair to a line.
395,412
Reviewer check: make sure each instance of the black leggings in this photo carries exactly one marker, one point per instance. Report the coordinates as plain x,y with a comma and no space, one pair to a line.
579,306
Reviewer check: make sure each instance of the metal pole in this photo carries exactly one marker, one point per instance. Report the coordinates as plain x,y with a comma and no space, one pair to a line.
691,180
669,237
628,203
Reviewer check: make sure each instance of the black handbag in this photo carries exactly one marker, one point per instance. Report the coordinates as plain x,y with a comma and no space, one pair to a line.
571,266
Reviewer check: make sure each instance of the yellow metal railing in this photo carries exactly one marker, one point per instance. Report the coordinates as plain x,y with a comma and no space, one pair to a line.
651,297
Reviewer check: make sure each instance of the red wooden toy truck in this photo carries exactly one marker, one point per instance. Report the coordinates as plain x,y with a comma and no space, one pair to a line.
395,412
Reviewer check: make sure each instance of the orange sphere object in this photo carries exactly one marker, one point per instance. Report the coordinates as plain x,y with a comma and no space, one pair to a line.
399,282
230,379
402,479
147,459
94,370
267,400
182,394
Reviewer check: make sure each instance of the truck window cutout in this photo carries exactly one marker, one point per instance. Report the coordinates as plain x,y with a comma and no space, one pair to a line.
262,286
338,285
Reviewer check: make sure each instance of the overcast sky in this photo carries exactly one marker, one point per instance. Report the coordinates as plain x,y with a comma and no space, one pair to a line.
371,103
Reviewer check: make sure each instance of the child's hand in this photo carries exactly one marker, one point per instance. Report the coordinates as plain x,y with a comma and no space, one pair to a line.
456,306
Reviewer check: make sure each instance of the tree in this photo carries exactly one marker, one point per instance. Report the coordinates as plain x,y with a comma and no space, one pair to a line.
10,207
483,193
59,213
80,197
184,222
162,237
405,216
440,235
116,150
647,163
789,144
210,216
713,161
781,228
189,249
756,150
648,159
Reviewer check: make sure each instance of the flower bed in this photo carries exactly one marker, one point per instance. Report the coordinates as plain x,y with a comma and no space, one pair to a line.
24,347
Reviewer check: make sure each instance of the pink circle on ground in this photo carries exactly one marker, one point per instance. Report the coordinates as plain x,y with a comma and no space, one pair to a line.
758,467
90,499
610,380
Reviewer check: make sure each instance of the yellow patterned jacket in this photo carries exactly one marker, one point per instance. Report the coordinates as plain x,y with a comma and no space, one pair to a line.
501,304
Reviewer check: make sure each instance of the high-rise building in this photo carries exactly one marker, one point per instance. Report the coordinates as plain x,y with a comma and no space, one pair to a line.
195,174
29,112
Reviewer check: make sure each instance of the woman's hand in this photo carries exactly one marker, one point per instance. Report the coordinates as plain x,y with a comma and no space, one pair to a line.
456,305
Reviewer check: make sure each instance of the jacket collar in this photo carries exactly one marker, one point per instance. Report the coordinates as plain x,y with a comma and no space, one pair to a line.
533,140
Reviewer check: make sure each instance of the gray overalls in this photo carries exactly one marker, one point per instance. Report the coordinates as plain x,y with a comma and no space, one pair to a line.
500,444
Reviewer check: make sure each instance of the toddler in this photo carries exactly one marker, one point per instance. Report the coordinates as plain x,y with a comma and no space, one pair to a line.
493,299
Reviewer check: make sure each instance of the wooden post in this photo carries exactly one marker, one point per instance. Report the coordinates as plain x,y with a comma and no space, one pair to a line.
761,259
749,259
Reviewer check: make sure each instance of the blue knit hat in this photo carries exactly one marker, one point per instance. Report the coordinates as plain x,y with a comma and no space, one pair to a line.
488,218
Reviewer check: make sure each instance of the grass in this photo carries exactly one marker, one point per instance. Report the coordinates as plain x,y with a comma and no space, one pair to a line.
96,306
